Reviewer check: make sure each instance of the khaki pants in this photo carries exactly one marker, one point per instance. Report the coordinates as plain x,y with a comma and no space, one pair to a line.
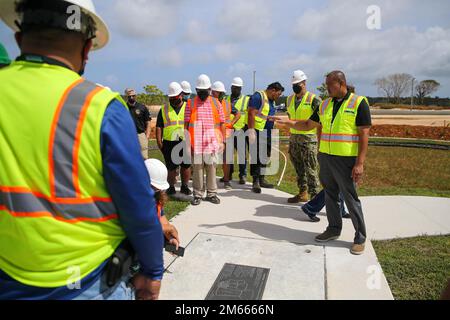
143,141
202,163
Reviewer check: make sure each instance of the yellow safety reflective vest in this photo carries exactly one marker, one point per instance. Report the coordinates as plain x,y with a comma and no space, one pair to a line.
263,113
241,106
340,137
57,218
173,123
303,112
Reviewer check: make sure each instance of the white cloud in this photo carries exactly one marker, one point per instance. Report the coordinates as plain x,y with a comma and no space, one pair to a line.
344,42
197,33
171,58
245,20
146,18
240,69
112,79
226,51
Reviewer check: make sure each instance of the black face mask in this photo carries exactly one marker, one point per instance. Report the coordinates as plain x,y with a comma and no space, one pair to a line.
236,92
131,101
186,97
203,95
297,88
221,96
175,102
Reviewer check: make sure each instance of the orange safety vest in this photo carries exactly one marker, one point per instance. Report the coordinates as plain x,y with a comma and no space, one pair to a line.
226,105
193,121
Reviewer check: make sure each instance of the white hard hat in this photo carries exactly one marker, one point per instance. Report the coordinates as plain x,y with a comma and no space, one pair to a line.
237,82
203,82
9,15
158,174
218,86
174,89
299,76
186,86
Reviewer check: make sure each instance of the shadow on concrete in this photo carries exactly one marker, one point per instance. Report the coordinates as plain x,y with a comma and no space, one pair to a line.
248,195
278,233
285,212
281,211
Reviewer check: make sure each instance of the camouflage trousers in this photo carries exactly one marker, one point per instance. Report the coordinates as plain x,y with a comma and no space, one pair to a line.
303,155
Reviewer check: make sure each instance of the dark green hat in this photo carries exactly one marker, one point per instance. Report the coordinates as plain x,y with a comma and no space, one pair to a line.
4,58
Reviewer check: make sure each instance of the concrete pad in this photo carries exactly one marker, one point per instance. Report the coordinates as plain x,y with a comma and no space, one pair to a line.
401,217
351,277
296,271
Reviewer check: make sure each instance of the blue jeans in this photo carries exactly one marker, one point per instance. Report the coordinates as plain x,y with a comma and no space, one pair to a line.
316,204
100,291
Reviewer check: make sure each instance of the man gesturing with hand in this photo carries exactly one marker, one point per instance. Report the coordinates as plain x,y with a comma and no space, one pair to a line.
344,120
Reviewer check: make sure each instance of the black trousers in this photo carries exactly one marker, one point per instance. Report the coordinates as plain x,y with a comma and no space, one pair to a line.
242,154
262,151
336,176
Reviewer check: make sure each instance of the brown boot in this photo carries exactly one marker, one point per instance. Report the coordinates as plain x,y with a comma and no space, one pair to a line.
301,197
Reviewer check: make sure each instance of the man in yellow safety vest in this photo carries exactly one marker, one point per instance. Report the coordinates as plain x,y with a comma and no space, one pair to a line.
345,121
75,198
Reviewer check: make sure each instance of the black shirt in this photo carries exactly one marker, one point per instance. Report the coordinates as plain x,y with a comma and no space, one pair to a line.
363,118
140,115
160,120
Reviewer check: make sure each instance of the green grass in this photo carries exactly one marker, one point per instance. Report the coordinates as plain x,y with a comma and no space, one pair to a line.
408,140
393,171
415,268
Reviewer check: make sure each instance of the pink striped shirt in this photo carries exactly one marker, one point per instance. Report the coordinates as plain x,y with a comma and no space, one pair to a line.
205,140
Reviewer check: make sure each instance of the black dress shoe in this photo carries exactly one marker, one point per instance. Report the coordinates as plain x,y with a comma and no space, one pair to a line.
213,199
256,188
171,191
242,180
264,184
185,190
196,201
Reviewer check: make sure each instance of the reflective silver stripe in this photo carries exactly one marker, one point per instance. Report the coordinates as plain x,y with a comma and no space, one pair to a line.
228,110
309,100
64,141
289,102
168,122
24,203
244,102
340,138
352,103
214,104
260,114
325,105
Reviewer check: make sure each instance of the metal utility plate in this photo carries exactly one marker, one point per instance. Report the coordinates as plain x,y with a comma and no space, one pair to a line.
238,282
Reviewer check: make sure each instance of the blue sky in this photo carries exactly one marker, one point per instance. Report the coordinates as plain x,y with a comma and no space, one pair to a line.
159,41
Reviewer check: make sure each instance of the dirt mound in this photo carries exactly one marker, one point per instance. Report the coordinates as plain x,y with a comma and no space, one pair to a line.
418,132
403,131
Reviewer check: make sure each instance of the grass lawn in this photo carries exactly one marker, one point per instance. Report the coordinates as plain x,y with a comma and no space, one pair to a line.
393,171
416,268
